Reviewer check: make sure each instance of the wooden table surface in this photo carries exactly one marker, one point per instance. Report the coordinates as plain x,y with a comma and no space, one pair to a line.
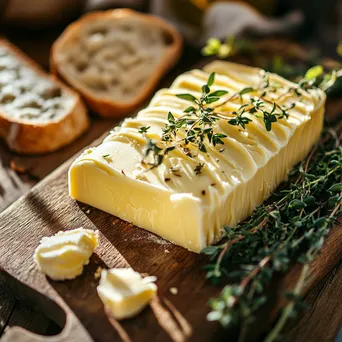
321,322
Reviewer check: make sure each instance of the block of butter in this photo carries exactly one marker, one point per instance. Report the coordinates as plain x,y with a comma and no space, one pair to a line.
125,292
62,256
173,200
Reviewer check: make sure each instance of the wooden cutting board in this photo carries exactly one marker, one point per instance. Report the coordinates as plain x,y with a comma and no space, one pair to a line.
75,306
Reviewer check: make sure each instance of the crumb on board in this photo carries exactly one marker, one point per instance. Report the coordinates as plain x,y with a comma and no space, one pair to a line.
97,273
166,251
18,169
174,290
88,211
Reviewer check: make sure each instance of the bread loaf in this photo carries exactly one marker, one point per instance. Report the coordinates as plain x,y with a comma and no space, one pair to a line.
115,58
38,114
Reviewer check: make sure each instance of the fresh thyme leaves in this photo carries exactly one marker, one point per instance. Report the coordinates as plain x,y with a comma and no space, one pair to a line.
229,48
256,106
144,129
198,168
107,158
157,154
197,124
292,228
239,119
314,72
246,90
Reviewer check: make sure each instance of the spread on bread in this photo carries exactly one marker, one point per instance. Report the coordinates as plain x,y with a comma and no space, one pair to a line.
173,200
115,58
125,292
25,95
62,256
37,113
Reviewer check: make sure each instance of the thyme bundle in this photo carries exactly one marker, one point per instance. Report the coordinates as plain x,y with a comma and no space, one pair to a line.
292,228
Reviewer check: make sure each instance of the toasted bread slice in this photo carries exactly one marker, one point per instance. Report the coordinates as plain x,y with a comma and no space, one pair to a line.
38,114
115,58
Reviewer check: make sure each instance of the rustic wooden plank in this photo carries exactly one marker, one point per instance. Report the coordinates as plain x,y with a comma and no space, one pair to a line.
323,318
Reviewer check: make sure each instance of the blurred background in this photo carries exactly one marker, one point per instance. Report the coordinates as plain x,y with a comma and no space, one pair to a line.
317,23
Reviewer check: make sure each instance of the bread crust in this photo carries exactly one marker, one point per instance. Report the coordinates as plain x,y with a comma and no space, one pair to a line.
39,138
103,106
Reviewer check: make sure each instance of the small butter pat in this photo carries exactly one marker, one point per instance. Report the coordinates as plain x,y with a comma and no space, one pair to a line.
62,256
125,292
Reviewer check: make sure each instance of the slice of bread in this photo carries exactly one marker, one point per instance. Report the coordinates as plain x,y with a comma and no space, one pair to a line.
115,58
38,114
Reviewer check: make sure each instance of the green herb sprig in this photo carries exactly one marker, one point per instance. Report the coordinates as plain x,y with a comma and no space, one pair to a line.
196,125
290,229
143,129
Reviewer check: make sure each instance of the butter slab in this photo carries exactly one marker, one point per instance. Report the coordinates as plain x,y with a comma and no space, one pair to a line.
171,200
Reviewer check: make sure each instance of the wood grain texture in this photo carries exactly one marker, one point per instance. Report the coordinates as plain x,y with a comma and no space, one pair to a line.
322,306
15,313
47,209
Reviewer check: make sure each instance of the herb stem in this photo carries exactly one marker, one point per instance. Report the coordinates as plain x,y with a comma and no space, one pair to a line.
230,243
255,271
337,207
286,313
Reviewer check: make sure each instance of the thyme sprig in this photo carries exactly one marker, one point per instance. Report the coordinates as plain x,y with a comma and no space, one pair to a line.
144,129
292,228
196,124
198,120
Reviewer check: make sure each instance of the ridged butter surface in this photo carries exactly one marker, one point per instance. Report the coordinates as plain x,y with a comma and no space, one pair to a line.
171,200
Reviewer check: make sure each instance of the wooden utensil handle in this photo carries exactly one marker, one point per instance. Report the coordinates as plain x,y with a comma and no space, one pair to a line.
72,329
19,334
